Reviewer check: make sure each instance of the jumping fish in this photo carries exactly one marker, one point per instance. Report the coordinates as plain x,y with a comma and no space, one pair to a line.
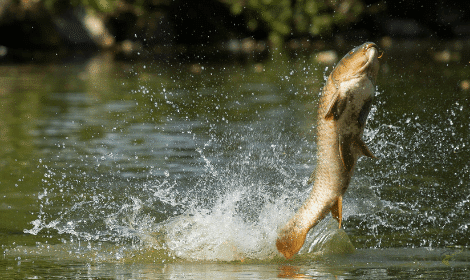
344,106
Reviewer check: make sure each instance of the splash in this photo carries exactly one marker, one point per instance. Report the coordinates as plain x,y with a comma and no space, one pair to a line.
229,213
241,222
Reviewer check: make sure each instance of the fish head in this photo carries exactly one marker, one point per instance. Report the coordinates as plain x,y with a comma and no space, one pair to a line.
363,60
356,69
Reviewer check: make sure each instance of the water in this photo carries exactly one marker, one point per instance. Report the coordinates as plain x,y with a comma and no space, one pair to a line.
174,170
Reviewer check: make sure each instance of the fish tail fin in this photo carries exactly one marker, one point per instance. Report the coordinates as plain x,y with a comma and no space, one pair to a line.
290,241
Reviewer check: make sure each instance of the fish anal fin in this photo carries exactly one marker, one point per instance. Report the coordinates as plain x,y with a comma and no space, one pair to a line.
345,152
337,210
311,179
359,143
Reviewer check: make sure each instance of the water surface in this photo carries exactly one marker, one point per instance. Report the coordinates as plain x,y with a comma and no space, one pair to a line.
172,170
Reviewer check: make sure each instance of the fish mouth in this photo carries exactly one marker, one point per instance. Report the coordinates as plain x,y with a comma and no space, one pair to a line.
371,52
373,45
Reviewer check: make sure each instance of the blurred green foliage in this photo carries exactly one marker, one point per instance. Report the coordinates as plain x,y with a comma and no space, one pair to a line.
286,18
280,18
98,5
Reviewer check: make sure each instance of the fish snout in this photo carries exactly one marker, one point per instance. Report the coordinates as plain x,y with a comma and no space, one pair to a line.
370,45
375,49
372,51
372,54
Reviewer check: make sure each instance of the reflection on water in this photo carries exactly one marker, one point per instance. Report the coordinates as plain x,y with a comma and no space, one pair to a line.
368,263
118,170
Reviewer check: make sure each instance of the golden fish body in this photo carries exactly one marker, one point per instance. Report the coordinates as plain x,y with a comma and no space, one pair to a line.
343,109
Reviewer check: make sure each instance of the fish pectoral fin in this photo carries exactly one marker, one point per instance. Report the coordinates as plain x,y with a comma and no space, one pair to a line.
337,210
359,143
331,108
345,152
336,106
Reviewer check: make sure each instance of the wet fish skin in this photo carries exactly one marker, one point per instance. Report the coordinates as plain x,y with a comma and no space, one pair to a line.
343,109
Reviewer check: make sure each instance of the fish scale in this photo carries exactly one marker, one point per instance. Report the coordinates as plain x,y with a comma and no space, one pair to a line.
344,105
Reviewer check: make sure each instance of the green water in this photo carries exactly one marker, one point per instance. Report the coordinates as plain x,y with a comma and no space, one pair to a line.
171,170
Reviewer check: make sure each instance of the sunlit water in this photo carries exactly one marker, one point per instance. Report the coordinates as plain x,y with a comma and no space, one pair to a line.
114,170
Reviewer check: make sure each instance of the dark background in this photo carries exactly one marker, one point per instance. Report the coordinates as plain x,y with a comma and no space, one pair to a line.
166,28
